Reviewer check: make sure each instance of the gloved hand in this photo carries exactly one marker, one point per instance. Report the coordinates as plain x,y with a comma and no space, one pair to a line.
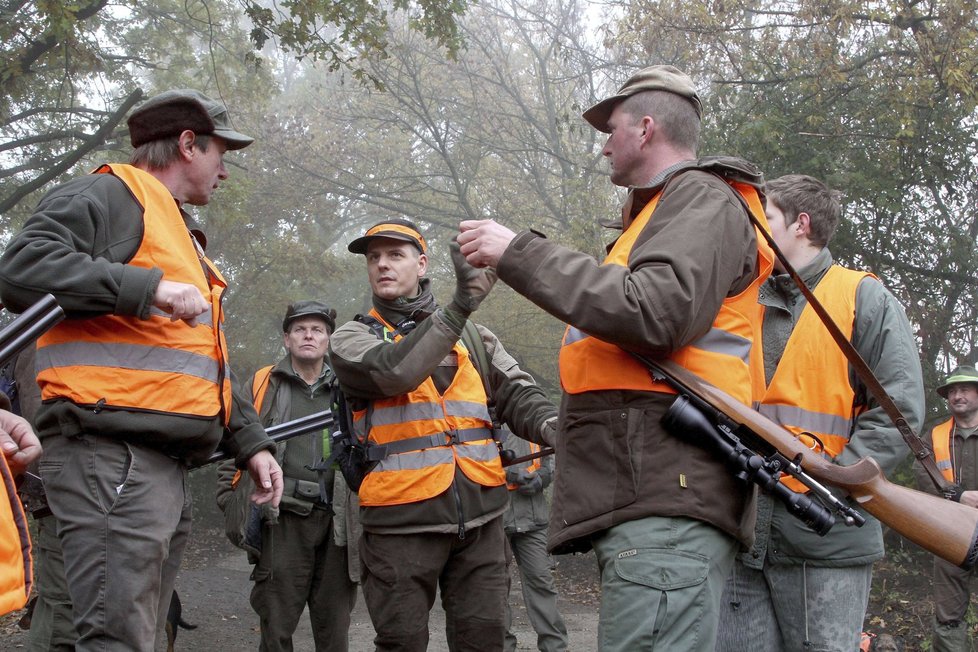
471,285
514,476
532,485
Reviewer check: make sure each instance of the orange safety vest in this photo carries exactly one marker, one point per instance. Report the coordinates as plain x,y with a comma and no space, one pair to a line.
724,356
458,427
15,546
940,439
810,391
156,365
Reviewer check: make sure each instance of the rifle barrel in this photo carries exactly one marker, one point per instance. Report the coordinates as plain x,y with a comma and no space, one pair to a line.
285,431
28,326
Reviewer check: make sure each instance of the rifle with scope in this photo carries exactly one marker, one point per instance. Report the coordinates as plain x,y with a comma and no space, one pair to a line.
761,450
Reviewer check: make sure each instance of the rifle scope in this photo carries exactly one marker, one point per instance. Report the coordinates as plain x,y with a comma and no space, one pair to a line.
685,420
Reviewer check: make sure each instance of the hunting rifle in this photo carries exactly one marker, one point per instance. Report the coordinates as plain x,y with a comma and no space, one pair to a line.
319,421
946,528
28,326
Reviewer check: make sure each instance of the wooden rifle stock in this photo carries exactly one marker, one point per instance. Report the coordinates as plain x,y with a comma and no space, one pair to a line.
946,528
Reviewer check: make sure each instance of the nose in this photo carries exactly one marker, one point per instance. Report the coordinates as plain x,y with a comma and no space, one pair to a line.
222,172
606,151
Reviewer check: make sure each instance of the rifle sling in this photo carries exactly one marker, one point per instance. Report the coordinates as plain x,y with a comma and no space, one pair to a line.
923,454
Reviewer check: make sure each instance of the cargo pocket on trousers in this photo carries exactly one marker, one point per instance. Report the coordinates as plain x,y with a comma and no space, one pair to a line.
663,569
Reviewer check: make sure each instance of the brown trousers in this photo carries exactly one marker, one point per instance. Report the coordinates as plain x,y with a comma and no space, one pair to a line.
401,573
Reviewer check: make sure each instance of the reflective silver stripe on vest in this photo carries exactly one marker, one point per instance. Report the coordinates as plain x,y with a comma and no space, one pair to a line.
724,342
479,452
415,461
716,340
127,356
574,335
943,464
816,422
387,416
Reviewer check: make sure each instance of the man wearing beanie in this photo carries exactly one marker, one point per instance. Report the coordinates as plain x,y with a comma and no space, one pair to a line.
135,382
955,446
420,378
304,558
663,515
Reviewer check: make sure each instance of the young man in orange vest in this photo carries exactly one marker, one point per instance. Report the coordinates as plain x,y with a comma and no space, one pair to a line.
793,589
433,500
662,514
305,558
135,382
955,446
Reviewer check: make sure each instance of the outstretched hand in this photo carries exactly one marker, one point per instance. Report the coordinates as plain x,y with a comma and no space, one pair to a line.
472,285
484,241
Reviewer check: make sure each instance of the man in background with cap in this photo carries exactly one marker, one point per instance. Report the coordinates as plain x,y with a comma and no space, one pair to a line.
135,382
955,446
420,379
793,589
305,558
663,515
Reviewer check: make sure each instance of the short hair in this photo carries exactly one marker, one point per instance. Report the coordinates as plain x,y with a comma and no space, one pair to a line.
159,154
800,193
674,115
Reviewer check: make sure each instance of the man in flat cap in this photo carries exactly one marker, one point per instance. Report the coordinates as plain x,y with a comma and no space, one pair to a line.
135,382
420,378
680,283
955,446
304,557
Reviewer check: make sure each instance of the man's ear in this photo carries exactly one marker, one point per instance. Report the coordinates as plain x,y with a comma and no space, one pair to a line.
804,224
422,264
648,128
186,141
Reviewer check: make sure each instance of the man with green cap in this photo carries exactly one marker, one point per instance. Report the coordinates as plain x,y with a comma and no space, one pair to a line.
955,446
663,515
135,383
304,558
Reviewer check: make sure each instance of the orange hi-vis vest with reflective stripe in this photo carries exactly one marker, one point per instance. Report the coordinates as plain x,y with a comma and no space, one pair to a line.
725,356
15,546
810,390
940,439
155,365
422,473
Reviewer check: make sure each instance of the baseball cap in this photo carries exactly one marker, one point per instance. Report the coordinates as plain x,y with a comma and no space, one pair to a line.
653,78
962,374
171,112
310,308
396,229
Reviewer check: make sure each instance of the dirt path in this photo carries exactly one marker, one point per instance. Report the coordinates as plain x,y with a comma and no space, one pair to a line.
214,589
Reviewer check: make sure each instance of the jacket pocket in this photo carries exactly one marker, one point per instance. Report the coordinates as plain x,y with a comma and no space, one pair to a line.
600,459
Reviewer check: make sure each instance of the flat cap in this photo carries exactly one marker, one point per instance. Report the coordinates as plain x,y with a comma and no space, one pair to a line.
311,308
396,229
171,112
653,78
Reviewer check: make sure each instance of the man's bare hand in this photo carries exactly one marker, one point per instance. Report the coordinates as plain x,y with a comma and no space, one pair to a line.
181,300
267,475
483,241
17,440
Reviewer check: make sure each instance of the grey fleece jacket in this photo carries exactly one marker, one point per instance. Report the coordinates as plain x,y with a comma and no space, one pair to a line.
883,337
76,246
